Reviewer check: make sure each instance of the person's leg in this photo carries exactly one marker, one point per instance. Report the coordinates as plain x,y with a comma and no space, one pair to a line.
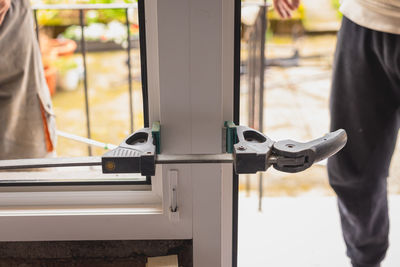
364,102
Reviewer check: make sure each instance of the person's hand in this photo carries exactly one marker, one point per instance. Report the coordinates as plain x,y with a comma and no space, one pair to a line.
285,7
4,6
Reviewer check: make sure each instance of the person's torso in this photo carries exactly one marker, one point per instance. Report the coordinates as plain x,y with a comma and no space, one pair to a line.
380,15
23,88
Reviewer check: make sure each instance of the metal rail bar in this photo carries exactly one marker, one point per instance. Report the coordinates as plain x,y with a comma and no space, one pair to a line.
263,26
85,85
128,50
143,61
83,6
15,164
195,158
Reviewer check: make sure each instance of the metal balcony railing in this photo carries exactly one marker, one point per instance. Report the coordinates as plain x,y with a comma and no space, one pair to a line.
83,7
255,79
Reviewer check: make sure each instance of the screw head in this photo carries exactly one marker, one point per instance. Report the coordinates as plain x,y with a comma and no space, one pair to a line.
241,148
110,165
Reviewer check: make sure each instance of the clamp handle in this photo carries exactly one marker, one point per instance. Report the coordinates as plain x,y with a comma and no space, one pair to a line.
292,156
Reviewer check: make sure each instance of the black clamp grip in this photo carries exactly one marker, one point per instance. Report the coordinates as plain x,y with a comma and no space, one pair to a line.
136,154
255,152
291,156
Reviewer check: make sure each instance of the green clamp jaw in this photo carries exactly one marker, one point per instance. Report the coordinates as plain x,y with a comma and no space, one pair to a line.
231,136
156,133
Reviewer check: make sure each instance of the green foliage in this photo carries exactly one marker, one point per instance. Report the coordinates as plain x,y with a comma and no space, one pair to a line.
64,64
336,5
67,17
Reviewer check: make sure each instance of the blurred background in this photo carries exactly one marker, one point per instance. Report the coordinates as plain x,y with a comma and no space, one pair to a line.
285,85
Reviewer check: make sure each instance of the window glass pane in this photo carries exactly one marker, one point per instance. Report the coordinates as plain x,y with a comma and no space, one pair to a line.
94,90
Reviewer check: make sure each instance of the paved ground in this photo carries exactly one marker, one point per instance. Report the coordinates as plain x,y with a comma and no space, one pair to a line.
300,232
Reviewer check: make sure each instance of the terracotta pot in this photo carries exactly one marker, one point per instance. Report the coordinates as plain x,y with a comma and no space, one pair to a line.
49,56
50,73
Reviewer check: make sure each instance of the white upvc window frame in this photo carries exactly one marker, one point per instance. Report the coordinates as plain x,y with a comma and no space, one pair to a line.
103,212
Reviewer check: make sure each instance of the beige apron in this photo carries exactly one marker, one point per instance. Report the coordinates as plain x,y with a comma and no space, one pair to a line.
24,97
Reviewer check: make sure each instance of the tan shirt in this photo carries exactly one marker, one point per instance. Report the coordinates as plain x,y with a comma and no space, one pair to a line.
380,15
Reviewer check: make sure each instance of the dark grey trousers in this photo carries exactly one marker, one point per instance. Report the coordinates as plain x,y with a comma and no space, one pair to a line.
365,102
